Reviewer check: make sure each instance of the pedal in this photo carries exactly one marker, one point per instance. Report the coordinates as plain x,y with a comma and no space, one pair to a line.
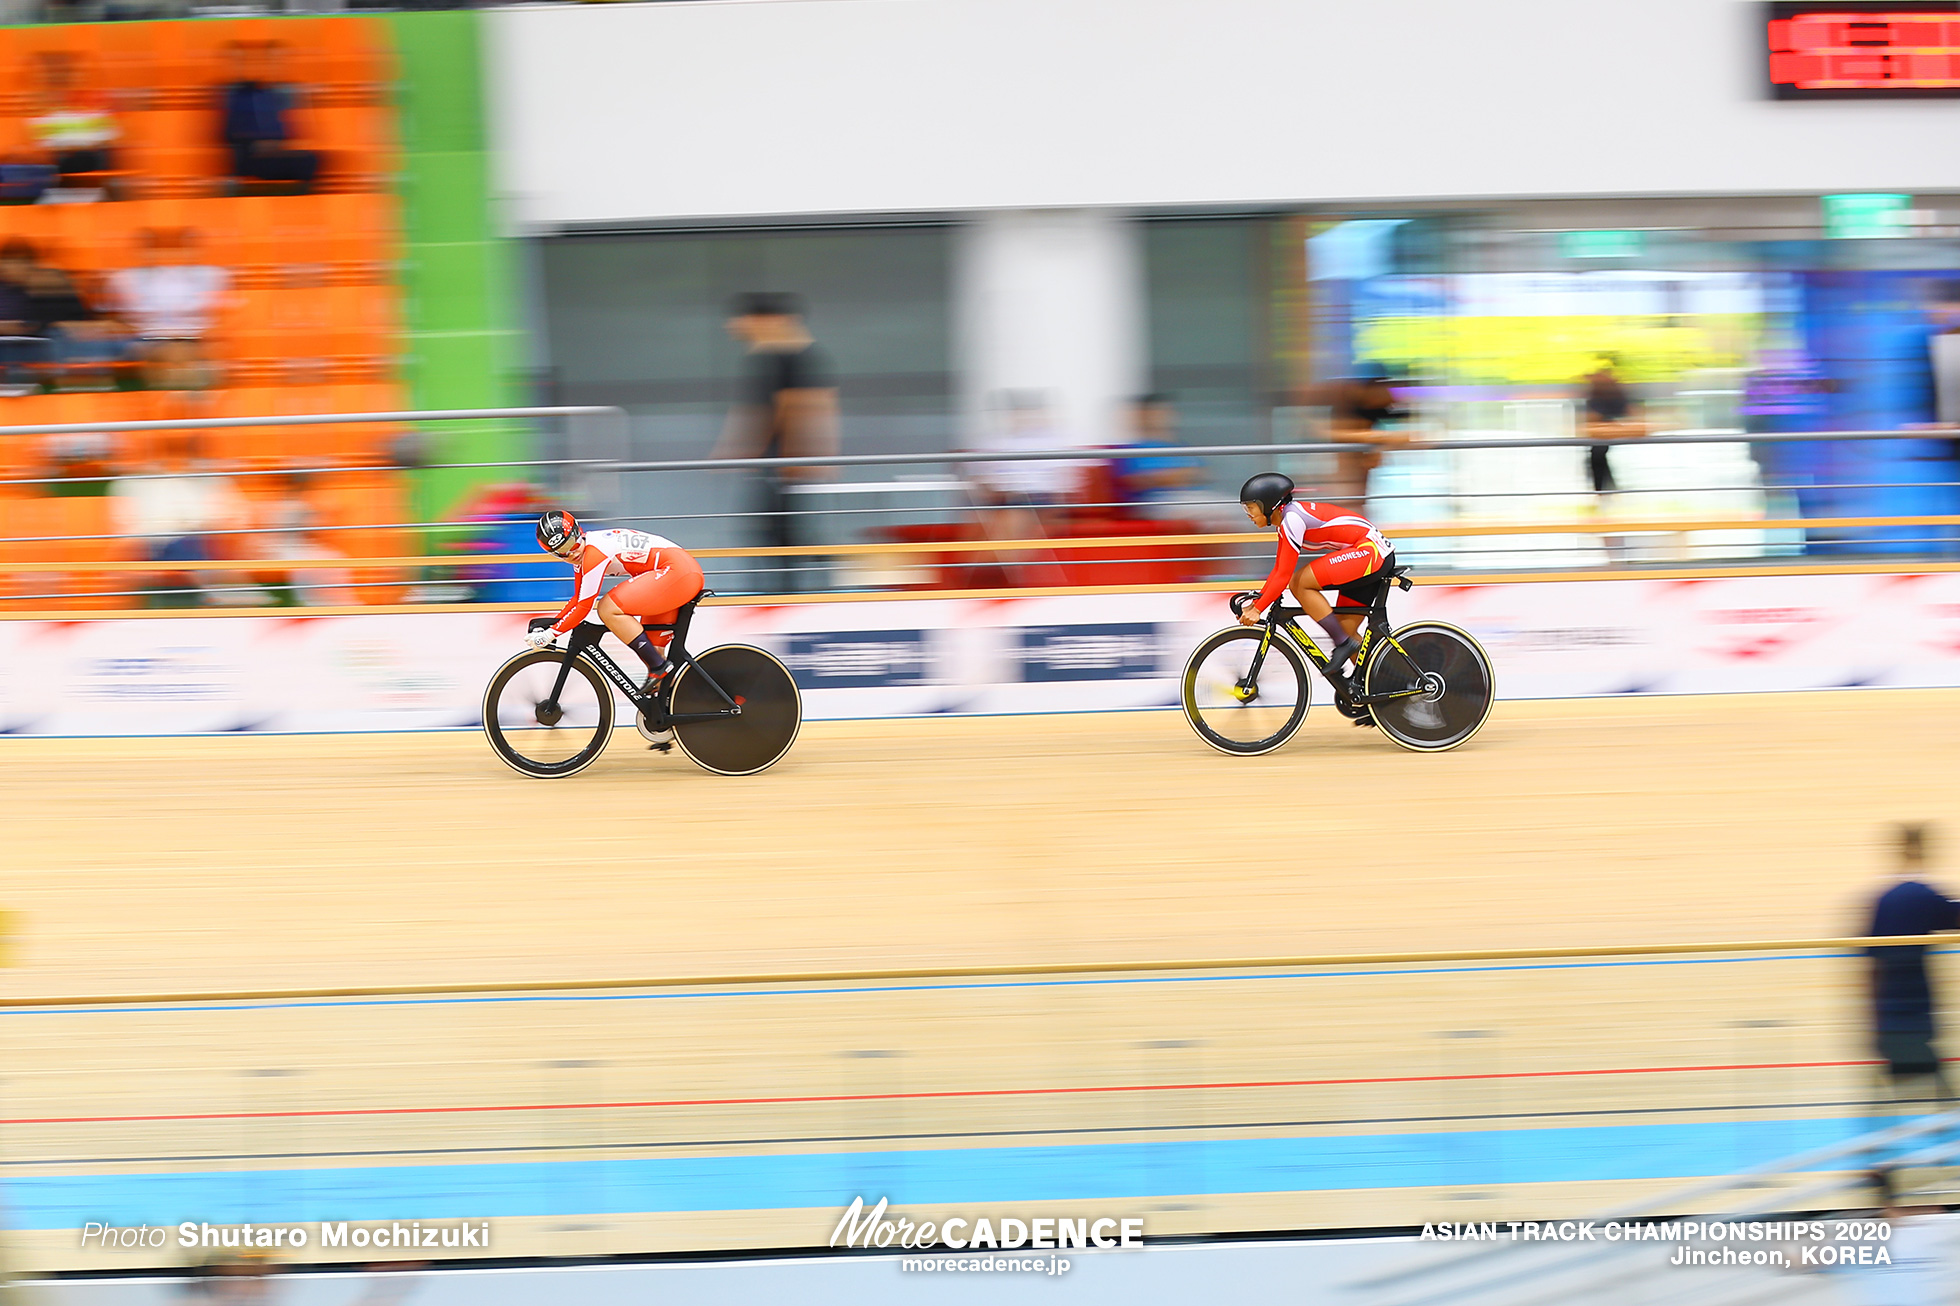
666,747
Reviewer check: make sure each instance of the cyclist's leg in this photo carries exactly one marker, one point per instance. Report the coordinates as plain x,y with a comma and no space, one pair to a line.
654,596
625,628
1358,597
1332,572
1340,640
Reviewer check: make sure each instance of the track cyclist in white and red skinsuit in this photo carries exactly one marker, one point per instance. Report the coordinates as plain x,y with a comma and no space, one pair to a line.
664,577
1342,551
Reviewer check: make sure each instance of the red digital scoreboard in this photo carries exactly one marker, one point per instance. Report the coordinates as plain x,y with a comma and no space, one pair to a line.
1897,51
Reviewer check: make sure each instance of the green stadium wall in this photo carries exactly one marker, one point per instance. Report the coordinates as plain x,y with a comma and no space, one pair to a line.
458,275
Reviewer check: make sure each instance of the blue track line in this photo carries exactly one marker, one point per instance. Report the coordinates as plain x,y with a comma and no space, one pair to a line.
745,1180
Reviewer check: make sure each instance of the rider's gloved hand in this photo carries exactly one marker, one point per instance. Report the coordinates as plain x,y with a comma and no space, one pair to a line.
540,637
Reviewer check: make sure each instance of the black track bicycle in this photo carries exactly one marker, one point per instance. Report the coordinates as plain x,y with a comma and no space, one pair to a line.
1428,685
733,709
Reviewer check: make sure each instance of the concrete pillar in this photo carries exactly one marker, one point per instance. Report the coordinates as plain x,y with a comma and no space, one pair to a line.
1051,300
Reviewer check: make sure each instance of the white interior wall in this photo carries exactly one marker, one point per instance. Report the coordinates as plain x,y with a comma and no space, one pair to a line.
743,108
1051,300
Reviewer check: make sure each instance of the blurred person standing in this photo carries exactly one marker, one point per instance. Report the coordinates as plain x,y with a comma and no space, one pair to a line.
1903,1020
1943,349
174,508
1920,1262
1360,409
1609,415
788,409
254,109
170,301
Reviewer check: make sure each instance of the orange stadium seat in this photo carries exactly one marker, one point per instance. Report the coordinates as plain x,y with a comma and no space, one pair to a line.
83,237
350,57
126,63
365,442
33,522
362,239
245,447
20,455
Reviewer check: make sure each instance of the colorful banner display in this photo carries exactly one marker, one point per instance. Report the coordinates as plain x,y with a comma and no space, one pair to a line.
950,656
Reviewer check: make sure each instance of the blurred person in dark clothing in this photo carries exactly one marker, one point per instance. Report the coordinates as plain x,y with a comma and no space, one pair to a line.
21,350
1360,407
788,409
82,343
1609,415
255,127
1902,993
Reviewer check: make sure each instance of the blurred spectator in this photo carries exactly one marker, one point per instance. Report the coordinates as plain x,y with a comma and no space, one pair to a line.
506,516
1155,487
255,108
1787,392
1919,1264
72,126
1943,349
1902,994
1609,415
173,509
83,345
1016,499
1360,407
246,1278
788,410
169,302
21,351
291,524
83,460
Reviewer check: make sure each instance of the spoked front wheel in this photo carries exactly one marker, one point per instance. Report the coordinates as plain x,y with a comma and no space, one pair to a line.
1235,711
537,735
771,710
1443,688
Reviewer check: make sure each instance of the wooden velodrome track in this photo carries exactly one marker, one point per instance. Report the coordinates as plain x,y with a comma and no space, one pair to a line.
230,864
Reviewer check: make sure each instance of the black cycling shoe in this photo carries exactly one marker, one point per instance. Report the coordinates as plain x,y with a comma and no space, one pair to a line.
652,682
1366,718
1340,654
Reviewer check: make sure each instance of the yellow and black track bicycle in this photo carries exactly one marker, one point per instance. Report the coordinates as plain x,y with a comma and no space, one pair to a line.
1428,686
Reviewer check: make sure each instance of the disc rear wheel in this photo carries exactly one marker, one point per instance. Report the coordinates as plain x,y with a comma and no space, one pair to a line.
1235,711
742,744
536,735
1443,688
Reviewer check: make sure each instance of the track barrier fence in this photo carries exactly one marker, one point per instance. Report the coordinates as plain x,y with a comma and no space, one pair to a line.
1015,521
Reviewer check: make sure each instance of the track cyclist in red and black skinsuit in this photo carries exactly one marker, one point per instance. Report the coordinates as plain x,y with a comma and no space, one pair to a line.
1321,547
664,577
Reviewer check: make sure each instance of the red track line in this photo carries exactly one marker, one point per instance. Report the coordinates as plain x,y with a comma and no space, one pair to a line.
949,1093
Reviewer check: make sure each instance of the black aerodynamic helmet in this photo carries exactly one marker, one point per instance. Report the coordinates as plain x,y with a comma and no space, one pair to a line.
1268,489
559,532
